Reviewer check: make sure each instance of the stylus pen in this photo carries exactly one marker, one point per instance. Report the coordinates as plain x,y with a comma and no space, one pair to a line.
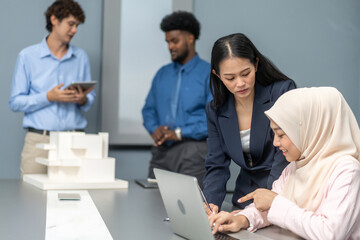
203,196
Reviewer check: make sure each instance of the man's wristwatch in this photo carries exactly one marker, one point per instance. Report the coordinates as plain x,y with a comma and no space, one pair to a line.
178,133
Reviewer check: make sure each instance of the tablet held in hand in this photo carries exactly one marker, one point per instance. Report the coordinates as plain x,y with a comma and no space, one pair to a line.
83,85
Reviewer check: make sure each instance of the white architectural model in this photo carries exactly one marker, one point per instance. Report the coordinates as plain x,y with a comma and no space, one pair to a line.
76,161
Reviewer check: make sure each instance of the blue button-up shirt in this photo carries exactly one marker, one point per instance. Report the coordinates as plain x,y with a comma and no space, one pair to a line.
193,97
37,71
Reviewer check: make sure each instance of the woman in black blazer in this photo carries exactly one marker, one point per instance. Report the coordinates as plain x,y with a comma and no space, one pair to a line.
244,84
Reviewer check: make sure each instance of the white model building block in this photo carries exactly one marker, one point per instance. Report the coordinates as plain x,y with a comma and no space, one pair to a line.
76,161
57,163
52,154
64,146
87,146
42,181
105,137
91,170
46,146
52,151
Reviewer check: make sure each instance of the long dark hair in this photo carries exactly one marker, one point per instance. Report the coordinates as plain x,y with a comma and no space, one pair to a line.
238,45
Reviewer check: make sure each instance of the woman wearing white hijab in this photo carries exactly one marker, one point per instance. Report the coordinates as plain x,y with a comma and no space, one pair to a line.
318,194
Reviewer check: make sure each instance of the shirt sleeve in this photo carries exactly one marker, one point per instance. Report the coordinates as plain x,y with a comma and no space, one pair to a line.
337,215
91,95
149,113
20,100
216,163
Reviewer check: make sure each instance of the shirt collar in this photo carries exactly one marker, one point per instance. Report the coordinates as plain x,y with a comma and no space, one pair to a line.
189,65
45,51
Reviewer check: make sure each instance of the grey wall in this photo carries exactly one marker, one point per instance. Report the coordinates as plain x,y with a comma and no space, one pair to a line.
23,24
314,42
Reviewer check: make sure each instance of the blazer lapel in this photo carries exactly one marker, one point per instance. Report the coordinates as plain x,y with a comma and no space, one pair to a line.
259,123
230,130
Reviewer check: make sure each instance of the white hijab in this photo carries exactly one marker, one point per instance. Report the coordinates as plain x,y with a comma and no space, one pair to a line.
322,126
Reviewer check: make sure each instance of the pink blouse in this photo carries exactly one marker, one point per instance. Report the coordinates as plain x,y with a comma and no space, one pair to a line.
338,216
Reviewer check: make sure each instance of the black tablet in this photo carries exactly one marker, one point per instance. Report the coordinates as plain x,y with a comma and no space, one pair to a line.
83,85
146,184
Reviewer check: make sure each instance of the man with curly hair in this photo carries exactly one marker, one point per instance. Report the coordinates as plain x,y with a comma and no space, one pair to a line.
41,74
174,111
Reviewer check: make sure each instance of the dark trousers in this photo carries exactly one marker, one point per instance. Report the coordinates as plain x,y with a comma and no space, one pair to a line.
186,157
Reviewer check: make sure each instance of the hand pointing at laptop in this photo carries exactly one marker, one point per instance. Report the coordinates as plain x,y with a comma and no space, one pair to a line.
233,222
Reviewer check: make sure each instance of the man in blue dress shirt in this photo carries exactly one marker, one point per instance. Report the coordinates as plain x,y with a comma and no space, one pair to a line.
41,74
174,111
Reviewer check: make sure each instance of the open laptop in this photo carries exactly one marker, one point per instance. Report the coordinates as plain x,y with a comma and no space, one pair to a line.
185,207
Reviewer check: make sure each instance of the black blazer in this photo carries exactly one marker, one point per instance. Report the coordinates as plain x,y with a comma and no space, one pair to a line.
224,144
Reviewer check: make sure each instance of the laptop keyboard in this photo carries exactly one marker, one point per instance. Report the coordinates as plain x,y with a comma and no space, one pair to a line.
222,236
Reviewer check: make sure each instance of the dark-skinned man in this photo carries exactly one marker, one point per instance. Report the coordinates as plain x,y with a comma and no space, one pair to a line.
174,111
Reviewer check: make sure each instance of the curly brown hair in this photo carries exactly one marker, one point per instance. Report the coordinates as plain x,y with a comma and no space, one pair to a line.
62,9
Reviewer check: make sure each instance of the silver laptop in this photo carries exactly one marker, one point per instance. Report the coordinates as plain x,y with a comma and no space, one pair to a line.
185,207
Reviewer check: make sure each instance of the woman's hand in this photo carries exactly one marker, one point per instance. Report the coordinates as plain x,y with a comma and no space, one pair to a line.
227,222
214,209
263,198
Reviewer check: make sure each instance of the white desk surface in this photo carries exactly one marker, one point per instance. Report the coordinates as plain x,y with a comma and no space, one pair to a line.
133,213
